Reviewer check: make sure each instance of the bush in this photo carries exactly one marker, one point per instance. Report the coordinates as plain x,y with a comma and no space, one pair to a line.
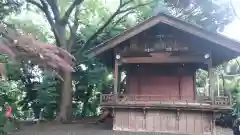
236,127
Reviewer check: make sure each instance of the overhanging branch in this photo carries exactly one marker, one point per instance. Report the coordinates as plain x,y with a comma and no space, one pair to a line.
100,30
117,12
69,10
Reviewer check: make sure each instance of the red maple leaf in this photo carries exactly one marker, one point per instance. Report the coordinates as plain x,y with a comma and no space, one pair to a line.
25,47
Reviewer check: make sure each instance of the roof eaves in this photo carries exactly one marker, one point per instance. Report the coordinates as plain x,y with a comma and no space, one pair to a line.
173,22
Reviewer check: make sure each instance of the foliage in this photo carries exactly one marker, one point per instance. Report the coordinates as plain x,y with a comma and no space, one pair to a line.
9,96
8,6
208,14
27,25
46,99
90,82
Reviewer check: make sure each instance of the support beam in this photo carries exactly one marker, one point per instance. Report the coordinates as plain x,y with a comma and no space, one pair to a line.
170,59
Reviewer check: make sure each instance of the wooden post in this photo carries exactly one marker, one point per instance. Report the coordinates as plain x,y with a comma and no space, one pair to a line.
230,98
194,86
210,76
218,91
101,99
116,73
179,87
114,119
213,124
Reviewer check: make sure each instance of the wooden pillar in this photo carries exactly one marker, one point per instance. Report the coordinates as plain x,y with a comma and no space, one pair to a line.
179,87
210,76
230,98
116,78
114,119
194,86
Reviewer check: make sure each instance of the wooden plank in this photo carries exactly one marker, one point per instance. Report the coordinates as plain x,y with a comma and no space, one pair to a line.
171,59
150,121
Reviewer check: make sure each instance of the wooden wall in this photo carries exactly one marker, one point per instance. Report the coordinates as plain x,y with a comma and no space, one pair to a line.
189,122
167,86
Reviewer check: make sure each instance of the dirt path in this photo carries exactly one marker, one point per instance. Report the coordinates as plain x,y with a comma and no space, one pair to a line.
86,129
66,129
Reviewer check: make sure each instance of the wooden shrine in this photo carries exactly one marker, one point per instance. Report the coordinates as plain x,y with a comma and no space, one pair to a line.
160,57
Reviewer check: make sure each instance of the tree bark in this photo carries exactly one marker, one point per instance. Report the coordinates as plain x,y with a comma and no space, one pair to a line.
66,85
58,99
65,113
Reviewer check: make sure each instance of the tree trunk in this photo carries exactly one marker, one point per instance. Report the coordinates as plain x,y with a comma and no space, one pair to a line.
58,99
65,113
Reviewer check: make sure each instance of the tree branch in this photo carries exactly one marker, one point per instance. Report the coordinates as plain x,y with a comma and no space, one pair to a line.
45,9
73,29
47,13
100,30
234,11
55,10
125,3
118,11
36,4
50,20
69,10
120,19
135,7
186,13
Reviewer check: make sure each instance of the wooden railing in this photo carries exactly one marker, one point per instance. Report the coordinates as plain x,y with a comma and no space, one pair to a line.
222,100
159,99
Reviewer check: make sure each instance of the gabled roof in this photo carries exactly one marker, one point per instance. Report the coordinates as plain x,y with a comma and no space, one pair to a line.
173,22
